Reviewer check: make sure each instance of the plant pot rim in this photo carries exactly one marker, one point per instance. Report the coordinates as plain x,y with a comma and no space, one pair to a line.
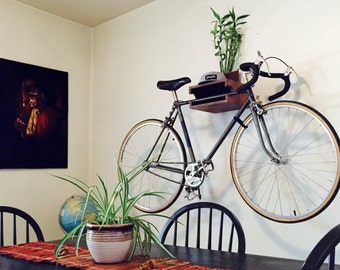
125,226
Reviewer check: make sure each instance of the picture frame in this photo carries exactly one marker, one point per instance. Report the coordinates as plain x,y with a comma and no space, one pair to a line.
34,116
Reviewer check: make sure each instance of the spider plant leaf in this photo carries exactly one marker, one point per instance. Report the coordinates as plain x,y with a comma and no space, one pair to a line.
114,207
77,231
74,181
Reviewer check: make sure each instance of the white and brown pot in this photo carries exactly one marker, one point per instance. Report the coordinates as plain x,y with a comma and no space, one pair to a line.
109,243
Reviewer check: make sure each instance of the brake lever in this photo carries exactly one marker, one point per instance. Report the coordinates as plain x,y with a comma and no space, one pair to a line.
289,71
260,59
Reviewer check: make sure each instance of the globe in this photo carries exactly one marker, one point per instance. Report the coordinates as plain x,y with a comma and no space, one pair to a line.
71,212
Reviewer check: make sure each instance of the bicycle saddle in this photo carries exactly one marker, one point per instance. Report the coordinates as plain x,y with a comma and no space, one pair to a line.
173,85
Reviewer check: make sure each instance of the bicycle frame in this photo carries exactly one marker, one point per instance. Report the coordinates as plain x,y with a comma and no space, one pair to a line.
256,111
195,170
176,111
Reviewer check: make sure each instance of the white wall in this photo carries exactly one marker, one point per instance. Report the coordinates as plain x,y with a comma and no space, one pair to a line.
31,36
171,38
164,40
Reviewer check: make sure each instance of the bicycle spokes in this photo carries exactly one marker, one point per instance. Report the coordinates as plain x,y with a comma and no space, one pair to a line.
304,179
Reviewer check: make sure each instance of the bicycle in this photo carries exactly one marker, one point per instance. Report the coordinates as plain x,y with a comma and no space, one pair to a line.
284,156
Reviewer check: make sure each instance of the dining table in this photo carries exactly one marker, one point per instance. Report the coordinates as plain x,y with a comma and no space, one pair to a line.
188,258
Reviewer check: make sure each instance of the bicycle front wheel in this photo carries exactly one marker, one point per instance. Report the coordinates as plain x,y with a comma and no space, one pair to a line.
150,141
306,179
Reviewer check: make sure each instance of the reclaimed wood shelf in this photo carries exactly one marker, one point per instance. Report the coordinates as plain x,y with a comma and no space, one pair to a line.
217,96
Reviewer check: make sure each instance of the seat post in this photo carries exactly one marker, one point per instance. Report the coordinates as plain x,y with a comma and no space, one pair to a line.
174,94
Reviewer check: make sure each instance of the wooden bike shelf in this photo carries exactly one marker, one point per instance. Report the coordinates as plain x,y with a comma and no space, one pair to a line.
217,96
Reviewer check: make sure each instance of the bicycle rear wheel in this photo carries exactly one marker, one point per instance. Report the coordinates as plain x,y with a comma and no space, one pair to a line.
149,141
306,180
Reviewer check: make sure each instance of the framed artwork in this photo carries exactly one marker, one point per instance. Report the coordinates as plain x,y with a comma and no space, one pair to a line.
34,116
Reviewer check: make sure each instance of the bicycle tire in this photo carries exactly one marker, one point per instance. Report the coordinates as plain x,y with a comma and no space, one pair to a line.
167,181
307,182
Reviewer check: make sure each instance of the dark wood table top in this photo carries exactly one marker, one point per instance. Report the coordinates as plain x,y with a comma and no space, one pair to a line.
204,257
235,261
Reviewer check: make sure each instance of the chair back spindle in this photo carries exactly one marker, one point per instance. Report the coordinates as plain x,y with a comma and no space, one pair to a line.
326,247
204,225
20,225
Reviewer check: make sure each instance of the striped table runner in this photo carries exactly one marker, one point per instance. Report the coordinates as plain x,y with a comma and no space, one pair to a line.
44,252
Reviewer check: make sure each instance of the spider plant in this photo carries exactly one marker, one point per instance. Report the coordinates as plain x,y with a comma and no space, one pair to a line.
115,208
227,38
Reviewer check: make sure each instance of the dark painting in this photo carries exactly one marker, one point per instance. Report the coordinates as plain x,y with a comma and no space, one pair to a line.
34,116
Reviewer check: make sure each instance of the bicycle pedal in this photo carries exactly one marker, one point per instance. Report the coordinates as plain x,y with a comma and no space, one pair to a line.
192,193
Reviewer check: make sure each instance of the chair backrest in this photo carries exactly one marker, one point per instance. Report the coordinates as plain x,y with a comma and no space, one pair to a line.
16,227
204,225
323,249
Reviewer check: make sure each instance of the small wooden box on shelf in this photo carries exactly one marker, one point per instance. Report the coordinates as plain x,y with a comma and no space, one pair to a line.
217,96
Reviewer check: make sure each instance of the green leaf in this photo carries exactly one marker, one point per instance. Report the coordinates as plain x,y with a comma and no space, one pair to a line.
227,37
242,17
225,17
114,207
216,14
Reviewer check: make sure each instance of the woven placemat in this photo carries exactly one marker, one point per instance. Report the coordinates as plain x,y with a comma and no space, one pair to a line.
44,252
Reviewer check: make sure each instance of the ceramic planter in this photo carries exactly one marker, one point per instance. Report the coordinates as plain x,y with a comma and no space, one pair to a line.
109,243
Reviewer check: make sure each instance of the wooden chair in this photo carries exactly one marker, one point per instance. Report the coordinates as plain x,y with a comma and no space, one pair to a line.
19,225
204,225
323,249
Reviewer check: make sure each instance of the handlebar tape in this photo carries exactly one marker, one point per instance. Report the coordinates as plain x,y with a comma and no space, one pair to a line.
255,70
282,76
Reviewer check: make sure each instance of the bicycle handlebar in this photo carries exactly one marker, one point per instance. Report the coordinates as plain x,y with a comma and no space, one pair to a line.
249,67
284,77
254,68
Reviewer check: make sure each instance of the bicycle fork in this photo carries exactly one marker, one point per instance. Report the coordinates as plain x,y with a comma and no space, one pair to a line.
262,131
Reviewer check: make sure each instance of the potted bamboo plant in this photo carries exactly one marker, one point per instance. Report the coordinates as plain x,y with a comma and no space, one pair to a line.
227,42
227,39
114,213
